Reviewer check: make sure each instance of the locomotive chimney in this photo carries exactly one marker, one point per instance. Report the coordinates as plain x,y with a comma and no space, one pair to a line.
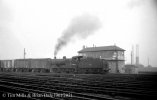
64,57
54,57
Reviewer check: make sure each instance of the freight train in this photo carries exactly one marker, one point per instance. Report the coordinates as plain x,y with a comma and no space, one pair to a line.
77,64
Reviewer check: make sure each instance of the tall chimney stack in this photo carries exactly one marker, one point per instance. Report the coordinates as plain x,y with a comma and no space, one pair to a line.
24,54
137,54
132,55
84,46
148,61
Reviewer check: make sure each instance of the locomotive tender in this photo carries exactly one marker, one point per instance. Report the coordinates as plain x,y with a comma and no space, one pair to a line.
77,64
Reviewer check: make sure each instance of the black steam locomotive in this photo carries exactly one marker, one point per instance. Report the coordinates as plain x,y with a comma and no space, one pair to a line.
77,64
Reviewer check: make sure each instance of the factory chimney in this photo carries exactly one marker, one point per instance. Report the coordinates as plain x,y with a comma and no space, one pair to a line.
137,54
24,54
84,46
132,55
148,62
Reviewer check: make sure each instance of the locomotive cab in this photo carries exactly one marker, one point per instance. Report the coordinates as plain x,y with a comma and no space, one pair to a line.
77,58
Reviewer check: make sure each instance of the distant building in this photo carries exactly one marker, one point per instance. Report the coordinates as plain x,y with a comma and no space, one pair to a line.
113,54
147,70
149,66
140,65
131,69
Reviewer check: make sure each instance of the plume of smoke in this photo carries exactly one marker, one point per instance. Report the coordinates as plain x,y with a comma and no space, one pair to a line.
154,2
81,26
136,3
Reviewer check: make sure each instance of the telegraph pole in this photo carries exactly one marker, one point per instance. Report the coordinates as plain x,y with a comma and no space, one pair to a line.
24,54
148,61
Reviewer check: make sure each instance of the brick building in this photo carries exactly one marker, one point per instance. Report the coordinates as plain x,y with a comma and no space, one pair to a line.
114,55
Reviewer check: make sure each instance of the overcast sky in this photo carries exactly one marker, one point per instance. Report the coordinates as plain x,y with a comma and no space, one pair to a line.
38,24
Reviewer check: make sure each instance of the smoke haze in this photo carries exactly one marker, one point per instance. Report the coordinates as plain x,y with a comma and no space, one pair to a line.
81,26
136,3
8,42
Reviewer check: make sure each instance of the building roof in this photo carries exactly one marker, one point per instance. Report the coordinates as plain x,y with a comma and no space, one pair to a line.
130,66
101,48
147,69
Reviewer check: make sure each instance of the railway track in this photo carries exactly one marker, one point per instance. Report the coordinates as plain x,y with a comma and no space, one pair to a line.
34,88
89,89
83,90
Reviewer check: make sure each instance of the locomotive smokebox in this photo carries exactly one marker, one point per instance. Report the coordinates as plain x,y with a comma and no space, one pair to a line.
64,57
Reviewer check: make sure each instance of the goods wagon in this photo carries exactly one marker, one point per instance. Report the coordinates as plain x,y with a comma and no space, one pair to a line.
32,65
6,65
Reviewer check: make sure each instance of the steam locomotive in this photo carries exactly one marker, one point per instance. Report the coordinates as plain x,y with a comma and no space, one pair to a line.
77,64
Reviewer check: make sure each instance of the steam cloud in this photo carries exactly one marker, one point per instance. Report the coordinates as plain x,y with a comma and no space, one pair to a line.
81,26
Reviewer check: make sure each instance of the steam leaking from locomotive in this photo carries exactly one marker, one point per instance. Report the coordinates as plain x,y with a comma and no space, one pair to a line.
81,27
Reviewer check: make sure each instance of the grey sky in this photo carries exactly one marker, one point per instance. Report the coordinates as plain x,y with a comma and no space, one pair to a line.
37,24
